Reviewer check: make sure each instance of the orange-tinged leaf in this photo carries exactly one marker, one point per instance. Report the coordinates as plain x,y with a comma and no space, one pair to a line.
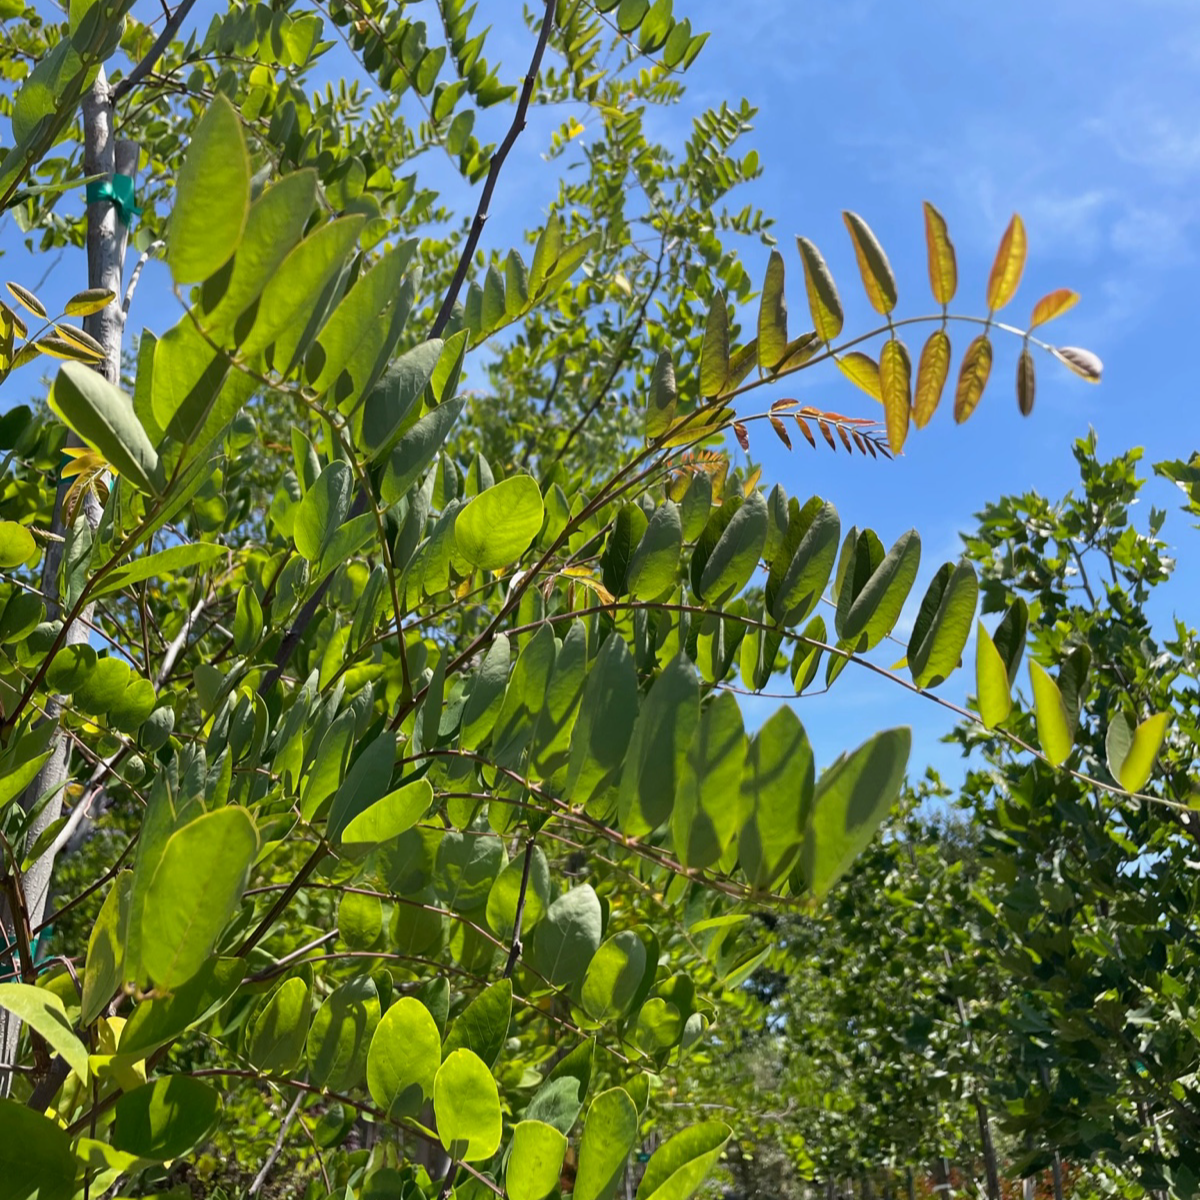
972,377
742,436
1083,362
841,429
823,300
1010,262
895,378
808,433
858,441
862,370
1026,382
873,265
783,405
27,299
932,370
751,481
823,426
1053,305
778,426
943,266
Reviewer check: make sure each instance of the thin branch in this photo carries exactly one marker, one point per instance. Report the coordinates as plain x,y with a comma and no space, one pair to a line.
169,30
514,952
153,248
277,1149
180,640
489,186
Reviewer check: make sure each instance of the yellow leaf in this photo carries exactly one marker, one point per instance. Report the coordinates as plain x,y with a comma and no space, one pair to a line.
84,304
28,300
932,370
574,129
895,377
873,265
972,377
823,300
1010,262
862,370
85,462
1053,305
57,347
943,266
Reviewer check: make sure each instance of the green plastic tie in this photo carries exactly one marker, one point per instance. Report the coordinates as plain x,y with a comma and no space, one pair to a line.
118,189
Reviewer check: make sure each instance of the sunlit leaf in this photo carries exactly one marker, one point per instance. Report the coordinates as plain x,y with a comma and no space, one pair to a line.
1053,305
1008,266
873,265
972,377
823,300
895,380
862,370
943,267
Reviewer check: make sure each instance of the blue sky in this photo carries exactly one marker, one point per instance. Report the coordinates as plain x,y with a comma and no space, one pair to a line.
1081,116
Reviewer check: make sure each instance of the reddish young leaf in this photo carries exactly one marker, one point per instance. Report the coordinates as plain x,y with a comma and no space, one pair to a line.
742,436
777,425
808,433
823,426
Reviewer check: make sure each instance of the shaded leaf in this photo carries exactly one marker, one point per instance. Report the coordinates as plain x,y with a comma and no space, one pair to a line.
823,300
972,377
873,265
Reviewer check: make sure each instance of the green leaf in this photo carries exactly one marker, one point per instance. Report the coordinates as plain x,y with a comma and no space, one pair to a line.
735,556
1054,725
195,890
777,795
801,570
483,1026
660,409
212,196
609,1133
499,525
534,1161
550,750
247,621
404,1058
1010,637
274,224
1131,752
681,1164
657,749
873,265
325,506
414,452
466,868
359,920
288,299
523,698
943,624
992,687
852,799
16,544
280,1031
44,1013
102,974
706,815
467,1107
655,562
567,936
391,400
614,977
103,416
341,1034
772,315
560,1098
366,783
877,604
486,695
823,300
602,732
156,1022
166,1118
387,818
714,350
36,1162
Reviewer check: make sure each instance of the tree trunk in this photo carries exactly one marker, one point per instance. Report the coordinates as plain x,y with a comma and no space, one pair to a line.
910,1183
941,1177
989,1150
1058,1182
106,240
